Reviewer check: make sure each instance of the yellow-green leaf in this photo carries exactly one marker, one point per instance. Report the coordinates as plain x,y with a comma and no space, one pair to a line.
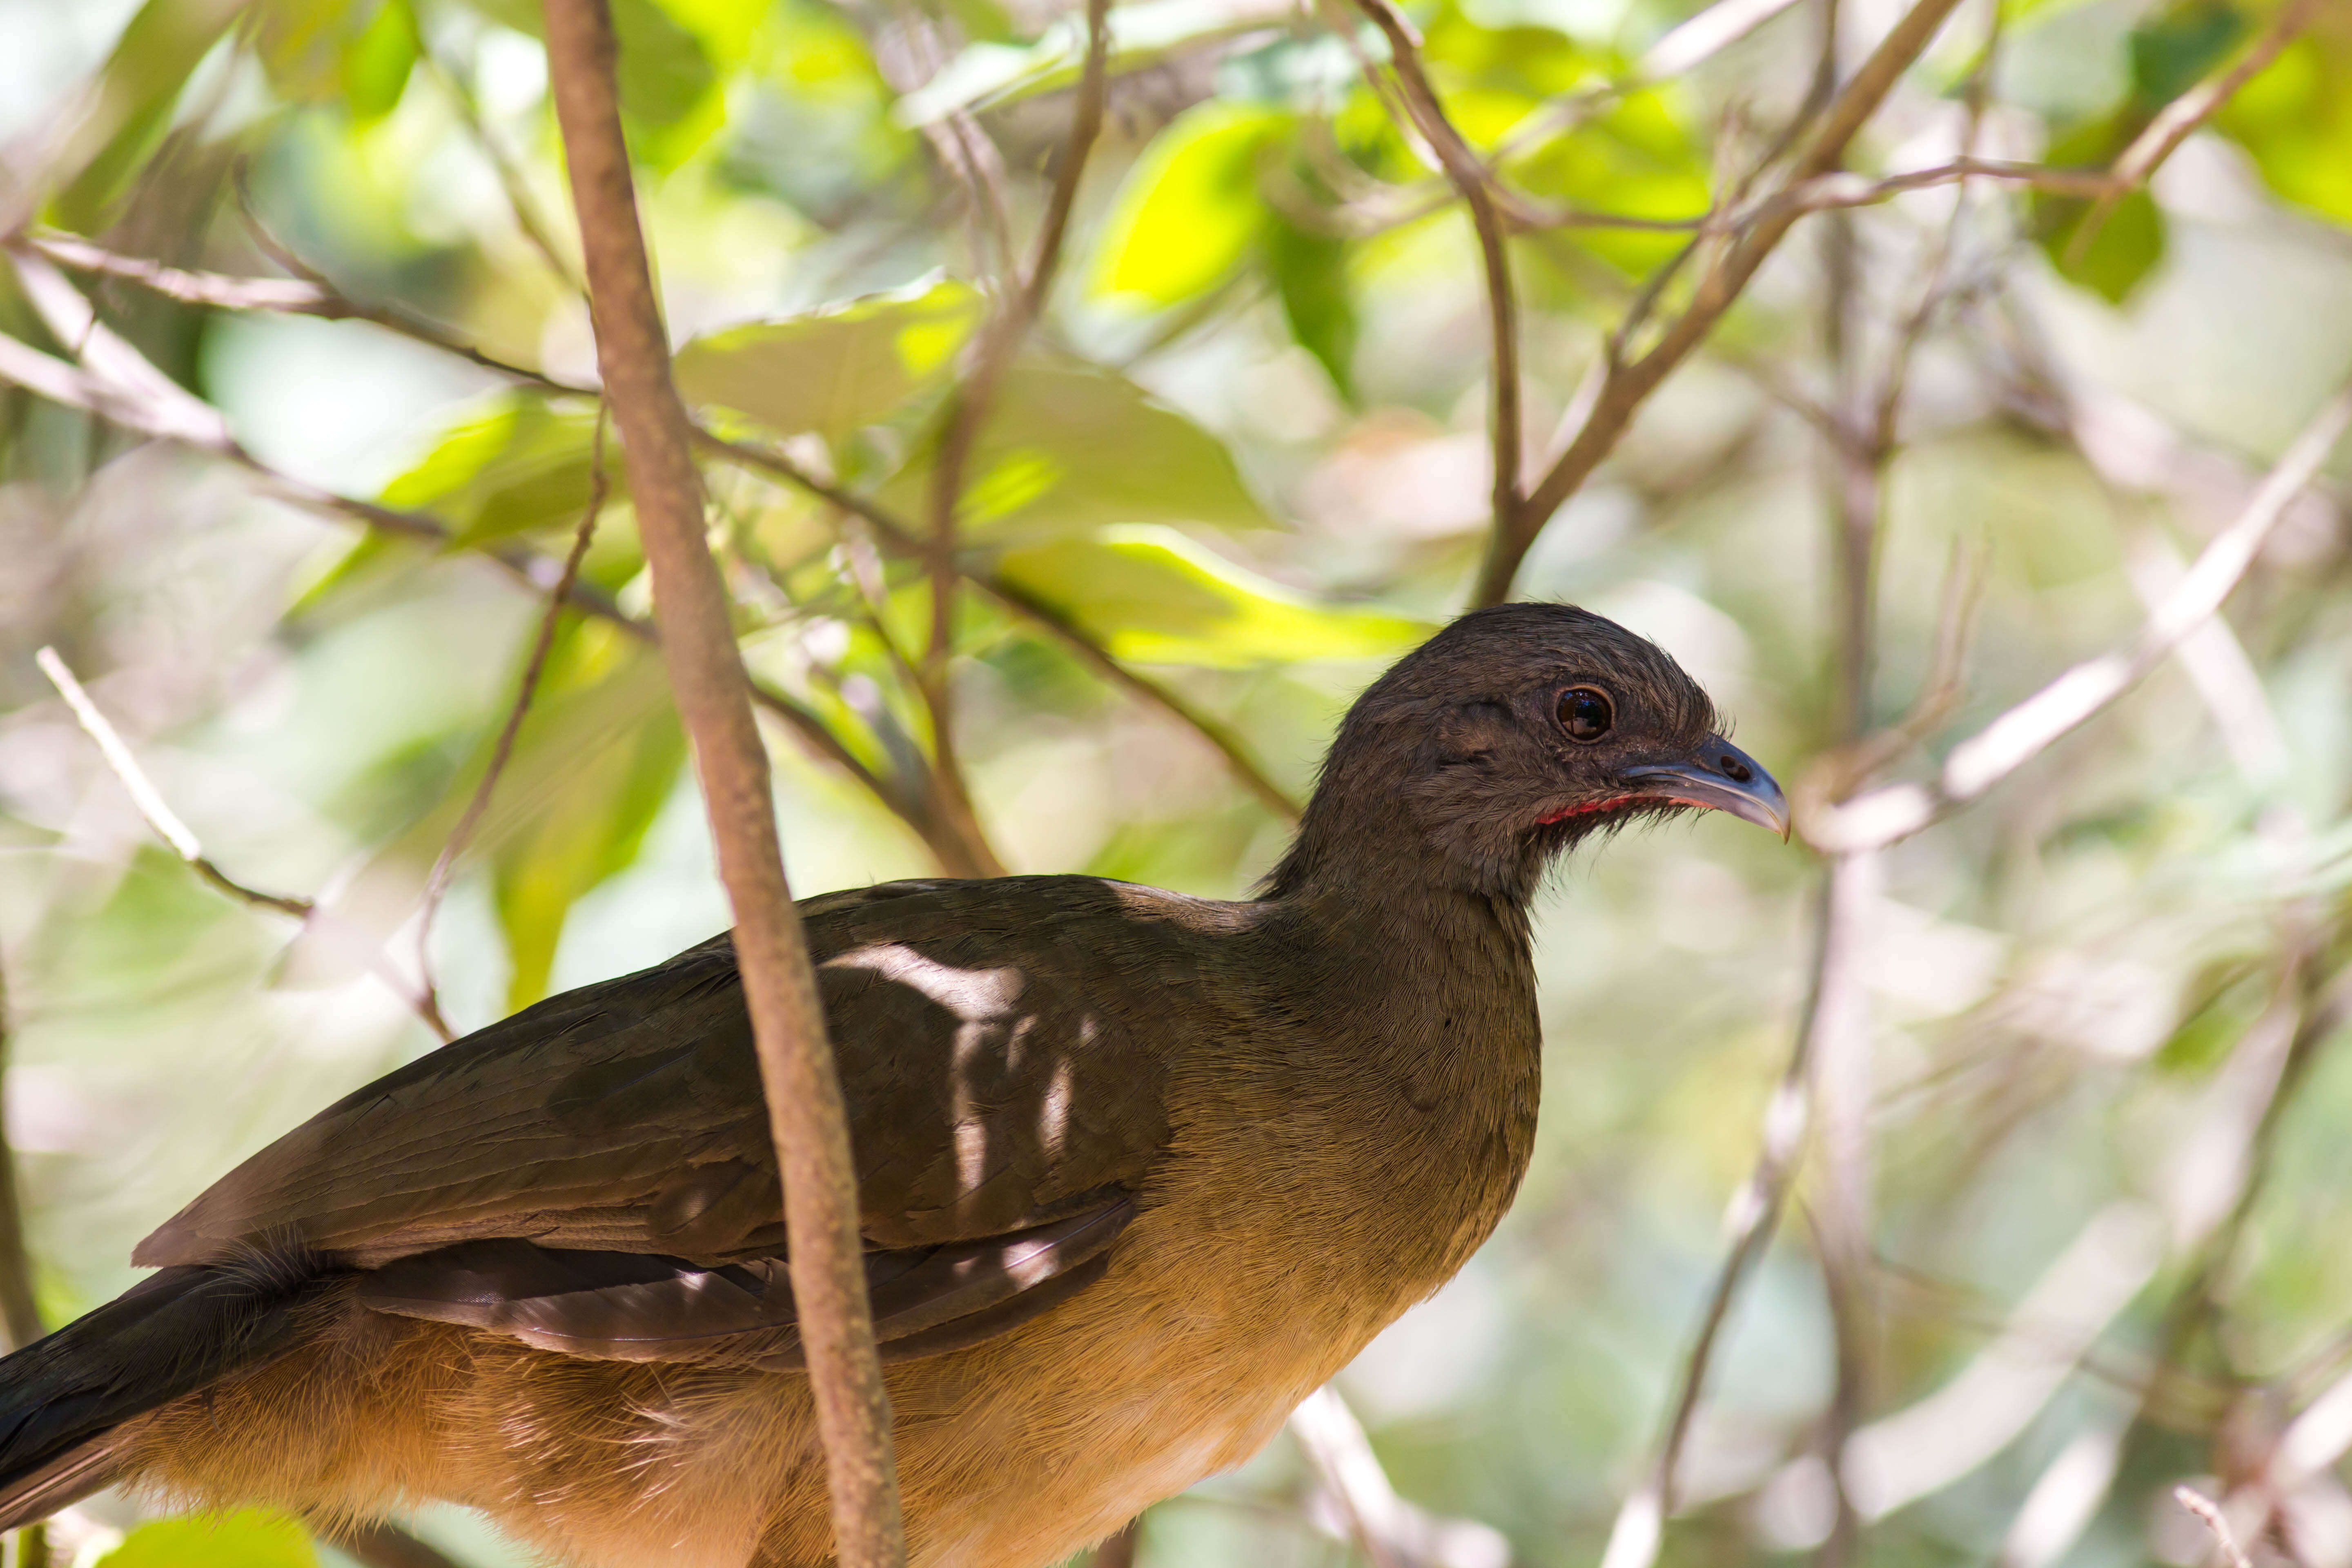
1189,209
1069,447
837,371
247,1539
1150,595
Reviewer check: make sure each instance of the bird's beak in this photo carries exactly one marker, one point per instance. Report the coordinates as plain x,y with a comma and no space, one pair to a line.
1719,777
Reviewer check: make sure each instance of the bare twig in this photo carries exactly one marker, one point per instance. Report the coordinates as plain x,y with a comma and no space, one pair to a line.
1834,1003
2024,732
1023,302
150,801
437,885
512,182
802,1087
1391,1532
1469,177
2209,1513
2179,119
1629,384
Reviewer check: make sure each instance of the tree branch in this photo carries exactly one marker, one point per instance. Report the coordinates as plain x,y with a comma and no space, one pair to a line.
1630,384
1888,815
802,1087
436,884
2178,120
1468,175
967,404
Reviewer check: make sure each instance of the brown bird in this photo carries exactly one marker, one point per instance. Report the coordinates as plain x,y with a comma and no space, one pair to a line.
1137,1172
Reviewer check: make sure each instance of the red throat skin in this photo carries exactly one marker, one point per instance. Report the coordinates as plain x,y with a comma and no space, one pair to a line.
1587,809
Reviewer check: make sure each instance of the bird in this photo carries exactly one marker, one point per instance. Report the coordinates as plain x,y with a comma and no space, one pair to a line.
1137,1172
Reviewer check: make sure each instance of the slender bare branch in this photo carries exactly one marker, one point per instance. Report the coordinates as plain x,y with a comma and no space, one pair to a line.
152,808
2178,120
1628,385
436,884
1364,1506
1884,816
802,1086
1833,1003
1469,177
1023,302
2209,1513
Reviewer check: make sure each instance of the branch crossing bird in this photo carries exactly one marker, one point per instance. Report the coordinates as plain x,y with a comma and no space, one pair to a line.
1137,1172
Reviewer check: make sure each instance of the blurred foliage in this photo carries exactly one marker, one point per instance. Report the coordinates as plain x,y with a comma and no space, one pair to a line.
1242,463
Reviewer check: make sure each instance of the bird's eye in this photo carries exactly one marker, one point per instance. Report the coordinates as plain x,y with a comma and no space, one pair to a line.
1585,713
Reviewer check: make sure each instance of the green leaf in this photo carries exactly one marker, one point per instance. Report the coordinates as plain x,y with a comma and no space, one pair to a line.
377,64
1310,275
524,466
247,1539
1150,595
1069,447
136,91
837,371
2130,241
303,44
1189,209
2171,50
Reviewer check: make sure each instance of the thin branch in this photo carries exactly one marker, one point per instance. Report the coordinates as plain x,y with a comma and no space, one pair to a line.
2178,120
1628,385
992,354
1392,1532
1754,1215
437,885
315,295
894,531
1470,179
150,801
154,406
511,180
802,1084
2209,1513
1896,812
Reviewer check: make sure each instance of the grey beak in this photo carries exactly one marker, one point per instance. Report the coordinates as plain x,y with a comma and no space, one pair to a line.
1720,777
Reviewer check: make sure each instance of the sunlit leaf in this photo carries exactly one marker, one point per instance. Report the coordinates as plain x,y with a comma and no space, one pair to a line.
2295,117
248,1539
1068,447
834,371
623,750
1189,209
377,63
131,104
1153,596
523,466
304,45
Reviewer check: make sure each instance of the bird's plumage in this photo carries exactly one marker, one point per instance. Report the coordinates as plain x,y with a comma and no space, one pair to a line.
1137,1171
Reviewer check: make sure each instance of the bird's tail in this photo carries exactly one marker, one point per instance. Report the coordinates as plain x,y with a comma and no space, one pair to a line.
63,1399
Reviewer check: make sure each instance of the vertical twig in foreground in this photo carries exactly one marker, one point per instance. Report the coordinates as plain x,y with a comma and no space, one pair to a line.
796,1067
444,865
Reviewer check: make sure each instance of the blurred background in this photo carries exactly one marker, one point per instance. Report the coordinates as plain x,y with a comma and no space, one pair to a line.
297,430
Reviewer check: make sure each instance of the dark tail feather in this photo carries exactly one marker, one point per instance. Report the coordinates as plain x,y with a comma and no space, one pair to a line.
61,1398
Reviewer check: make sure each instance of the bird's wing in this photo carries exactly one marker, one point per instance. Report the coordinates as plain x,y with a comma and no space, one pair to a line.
998,1084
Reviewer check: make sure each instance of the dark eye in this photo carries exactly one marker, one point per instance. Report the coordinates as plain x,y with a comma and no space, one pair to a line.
1585,713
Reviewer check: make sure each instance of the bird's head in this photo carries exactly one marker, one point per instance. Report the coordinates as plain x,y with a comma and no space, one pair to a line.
1507,737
